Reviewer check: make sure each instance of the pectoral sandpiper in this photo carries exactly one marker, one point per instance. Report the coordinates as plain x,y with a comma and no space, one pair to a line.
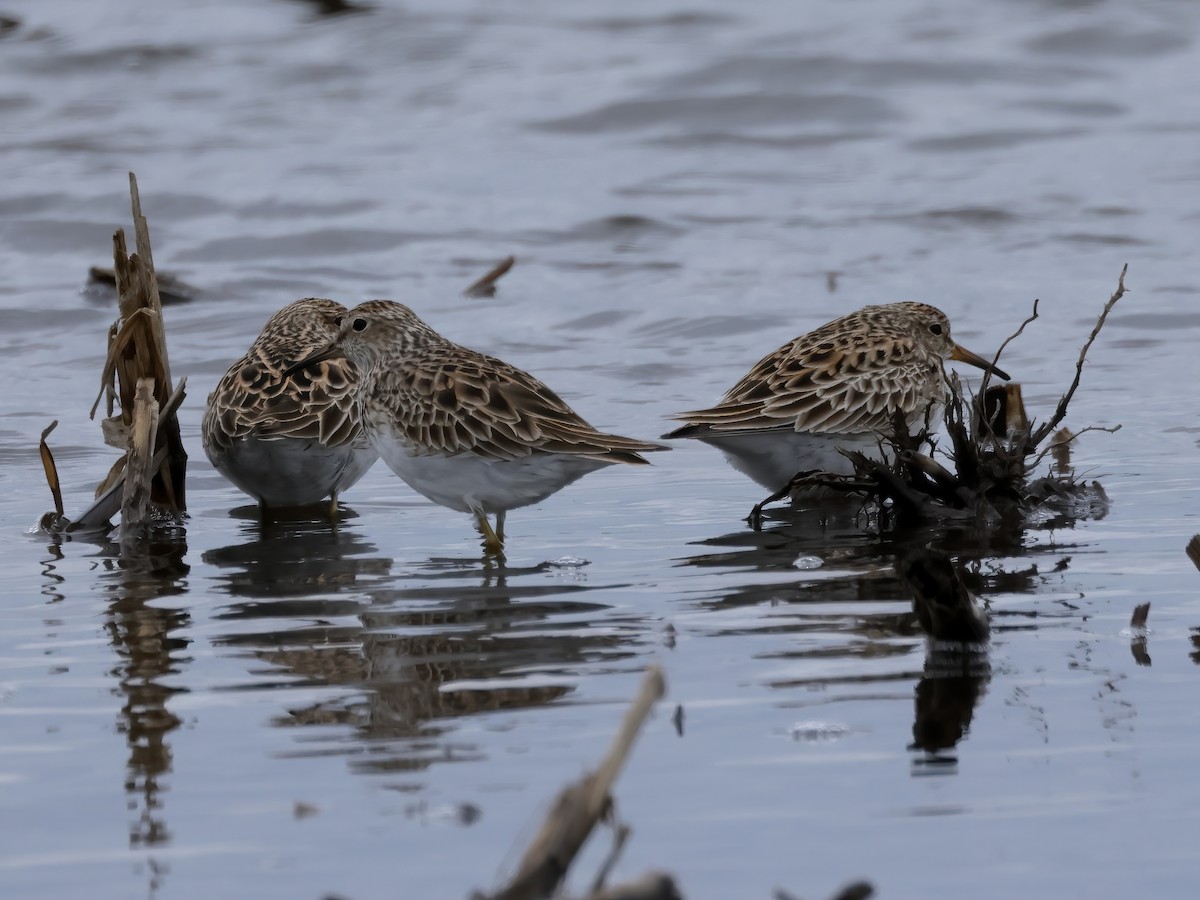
838,387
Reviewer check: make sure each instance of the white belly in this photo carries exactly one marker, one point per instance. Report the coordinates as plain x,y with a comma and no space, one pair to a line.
288,472
772,458
470,483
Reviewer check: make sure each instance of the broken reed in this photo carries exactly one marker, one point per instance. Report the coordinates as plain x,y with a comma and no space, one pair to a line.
136,378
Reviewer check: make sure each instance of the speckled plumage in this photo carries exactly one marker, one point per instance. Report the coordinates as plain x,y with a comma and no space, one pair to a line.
840,386
289,441
465,429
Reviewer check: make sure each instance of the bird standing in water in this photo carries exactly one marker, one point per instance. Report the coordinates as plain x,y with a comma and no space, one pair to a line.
464,429
289,441
838,387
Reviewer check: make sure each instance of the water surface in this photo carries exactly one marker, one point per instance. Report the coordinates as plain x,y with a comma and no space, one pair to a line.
289,711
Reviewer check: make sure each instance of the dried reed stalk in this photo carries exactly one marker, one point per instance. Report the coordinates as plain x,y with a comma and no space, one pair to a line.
137,352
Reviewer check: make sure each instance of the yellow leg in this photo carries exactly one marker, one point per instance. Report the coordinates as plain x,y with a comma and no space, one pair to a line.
493,544
500,525
333,508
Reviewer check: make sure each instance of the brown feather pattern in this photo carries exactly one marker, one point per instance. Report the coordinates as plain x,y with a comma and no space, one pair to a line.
850,376
444,399
253,399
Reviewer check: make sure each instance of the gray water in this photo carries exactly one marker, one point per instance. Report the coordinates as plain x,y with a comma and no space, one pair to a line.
375,712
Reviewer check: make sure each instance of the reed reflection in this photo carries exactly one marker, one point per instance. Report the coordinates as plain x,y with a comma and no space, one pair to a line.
150,648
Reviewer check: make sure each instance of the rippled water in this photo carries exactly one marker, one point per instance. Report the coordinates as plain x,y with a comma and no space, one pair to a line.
374,711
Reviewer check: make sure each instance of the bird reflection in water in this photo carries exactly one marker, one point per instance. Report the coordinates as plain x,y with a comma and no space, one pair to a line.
459,641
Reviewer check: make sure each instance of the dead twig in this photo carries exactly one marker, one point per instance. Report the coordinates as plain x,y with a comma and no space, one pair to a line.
987,373
1060,411
1059,443
486,286
579,807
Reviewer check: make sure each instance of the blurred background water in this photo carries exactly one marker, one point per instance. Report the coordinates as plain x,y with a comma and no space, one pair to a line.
290,711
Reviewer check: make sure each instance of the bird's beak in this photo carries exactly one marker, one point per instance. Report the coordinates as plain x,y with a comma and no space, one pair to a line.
330,349
962,354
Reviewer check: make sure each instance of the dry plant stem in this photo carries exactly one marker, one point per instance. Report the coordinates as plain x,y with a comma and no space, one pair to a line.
108,501
580,806
137,350
486,286
51,469
1141,614
1060,411
135,502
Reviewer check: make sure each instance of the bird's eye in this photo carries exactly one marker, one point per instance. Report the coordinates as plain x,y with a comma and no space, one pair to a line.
936,328
359,324
337,321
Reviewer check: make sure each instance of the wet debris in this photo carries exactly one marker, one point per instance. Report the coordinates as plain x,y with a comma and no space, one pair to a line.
575,813
147,483
172,291
56,520
1138,643
677,720
994,450
337,7
486,286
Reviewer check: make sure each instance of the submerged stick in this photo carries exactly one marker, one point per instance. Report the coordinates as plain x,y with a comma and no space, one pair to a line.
579,807
486,286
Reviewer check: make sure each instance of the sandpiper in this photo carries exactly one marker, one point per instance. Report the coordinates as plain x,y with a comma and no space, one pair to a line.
838,387
291,441
464,429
